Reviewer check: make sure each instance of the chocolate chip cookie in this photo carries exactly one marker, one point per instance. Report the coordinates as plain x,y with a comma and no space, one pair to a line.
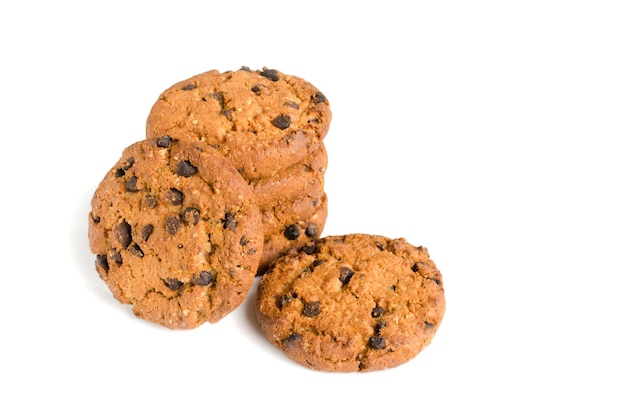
176,232
262,120
352,303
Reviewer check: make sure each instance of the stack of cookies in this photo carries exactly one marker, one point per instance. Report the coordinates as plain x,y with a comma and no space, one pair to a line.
229,184
271,127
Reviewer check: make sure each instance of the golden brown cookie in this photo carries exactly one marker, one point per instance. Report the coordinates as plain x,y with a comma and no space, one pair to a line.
352,303
303,178
262,121
292,227
176,232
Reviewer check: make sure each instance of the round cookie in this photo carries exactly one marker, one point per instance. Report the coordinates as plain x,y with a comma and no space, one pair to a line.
303,178
290,229
262,121
176,232
352,303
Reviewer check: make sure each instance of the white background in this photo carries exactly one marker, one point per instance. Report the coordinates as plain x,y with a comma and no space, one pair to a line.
490,132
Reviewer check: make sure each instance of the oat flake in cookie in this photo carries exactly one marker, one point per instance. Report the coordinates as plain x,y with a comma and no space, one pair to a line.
352,303
176,233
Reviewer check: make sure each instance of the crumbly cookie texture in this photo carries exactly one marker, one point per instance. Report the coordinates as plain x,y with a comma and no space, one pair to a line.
352,303
262,120
176,232
292,227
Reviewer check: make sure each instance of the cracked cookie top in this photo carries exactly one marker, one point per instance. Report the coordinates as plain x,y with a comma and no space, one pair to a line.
260,120
176,232
352,303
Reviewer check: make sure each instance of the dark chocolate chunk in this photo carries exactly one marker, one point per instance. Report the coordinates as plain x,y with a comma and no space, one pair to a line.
282,121
293,337
115,256
292,104
186,169
120,172
318,97
188,87
256,89
311,230
175,197
172,223
345,274
292,232
135,250
309,249
151,201
102,261
377,342
377,311
271,74
229,221
173,283
131,184
164,142
146,231
123,233
205,277
311,309
190,216
218,96
285,299
317,262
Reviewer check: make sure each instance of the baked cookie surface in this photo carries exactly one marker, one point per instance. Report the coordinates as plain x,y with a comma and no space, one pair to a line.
176,232
261,120
351,303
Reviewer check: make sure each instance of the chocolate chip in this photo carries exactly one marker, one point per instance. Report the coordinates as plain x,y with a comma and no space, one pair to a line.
172,223
190,216
377,311
243,241
151,201
381,325
205,277
164,142
377,342
293,337
229,221
175,197
102,261
120,172
345,274
282,121
186,169
271,74
135,250
309,249
285,299
123,233
188,87
318,97
115,256
256,89
311,309
292,232
131,184
292,104
146,231
311,230
95,218
317,263
227,113
218,96
173,283
429,326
